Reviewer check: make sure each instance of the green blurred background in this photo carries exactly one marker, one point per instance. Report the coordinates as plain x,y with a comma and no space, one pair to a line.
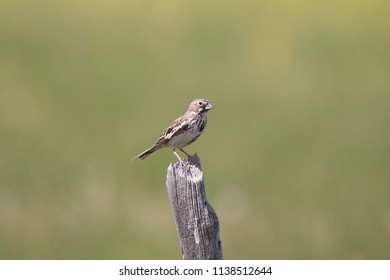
295,155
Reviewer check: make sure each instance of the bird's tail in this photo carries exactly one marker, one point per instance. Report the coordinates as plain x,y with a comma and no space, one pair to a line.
146,153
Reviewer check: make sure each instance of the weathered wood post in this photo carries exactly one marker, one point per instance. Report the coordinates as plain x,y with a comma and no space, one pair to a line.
196,221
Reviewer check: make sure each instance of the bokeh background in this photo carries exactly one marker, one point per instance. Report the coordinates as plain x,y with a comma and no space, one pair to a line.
295,155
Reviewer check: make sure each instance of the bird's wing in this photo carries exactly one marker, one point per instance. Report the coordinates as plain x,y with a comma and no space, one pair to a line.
176,128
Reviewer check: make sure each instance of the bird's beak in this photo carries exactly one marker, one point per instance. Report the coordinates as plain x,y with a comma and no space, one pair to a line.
209,106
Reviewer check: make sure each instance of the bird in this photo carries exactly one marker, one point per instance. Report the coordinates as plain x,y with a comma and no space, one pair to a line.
183,131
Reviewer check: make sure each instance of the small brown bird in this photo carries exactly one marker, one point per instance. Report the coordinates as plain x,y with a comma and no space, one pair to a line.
184,130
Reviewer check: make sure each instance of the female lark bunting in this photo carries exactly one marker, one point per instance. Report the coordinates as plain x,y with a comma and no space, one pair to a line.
184,130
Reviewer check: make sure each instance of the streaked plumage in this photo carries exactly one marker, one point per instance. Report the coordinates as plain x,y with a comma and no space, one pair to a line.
184,130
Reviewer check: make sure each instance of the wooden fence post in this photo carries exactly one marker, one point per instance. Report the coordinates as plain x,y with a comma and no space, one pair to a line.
196,221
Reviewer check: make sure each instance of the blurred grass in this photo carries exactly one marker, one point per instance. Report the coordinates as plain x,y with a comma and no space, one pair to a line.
298,143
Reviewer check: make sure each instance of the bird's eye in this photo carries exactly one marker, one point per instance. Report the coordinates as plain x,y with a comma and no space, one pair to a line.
200,103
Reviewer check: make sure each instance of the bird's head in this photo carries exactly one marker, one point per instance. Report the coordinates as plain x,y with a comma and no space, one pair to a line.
200,106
